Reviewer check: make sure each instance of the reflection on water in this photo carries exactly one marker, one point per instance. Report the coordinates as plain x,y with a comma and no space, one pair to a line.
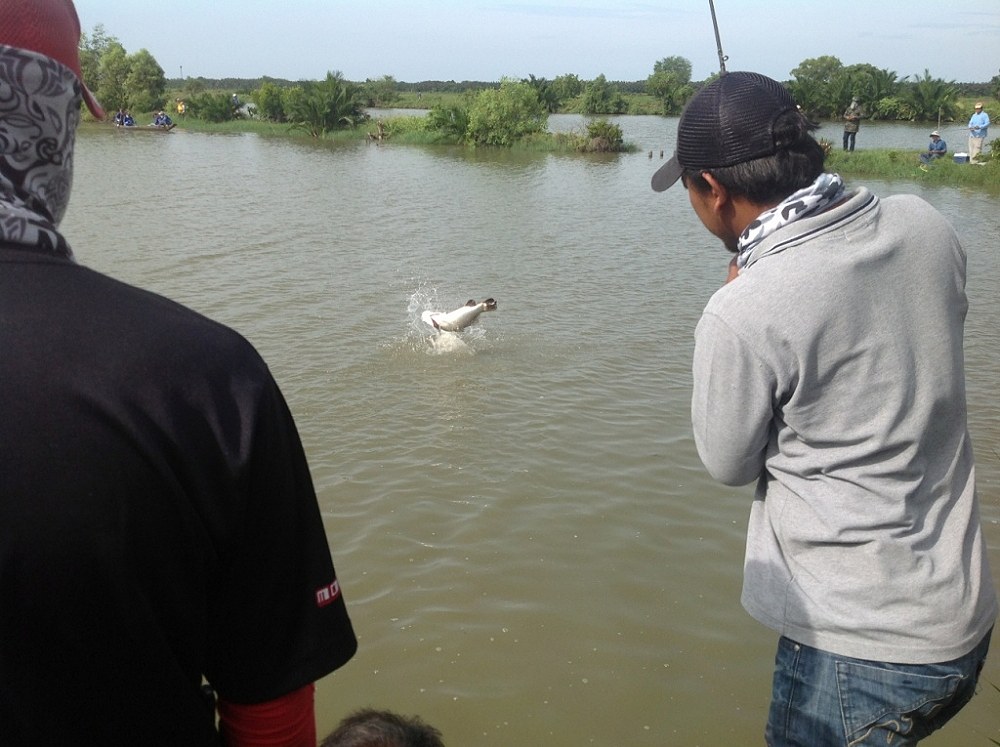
530,548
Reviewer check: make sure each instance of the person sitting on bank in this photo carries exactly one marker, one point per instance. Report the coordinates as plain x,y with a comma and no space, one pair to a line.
935,149
162,119
127,120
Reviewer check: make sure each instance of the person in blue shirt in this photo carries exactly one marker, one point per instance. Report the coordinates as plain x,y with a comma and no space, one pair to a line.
935,149
162,119
978,124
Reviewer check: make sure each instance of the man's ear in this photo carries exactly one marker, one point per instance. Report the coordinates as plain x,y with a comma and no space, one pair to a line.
719,194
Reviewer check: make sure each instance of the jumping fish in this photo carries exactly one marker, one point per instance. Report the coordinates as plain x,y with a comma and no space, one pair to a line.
460,318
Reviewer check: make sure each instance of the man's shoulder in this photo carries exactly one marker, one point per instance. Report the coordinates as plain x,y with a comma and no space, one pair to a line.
159,322
910,202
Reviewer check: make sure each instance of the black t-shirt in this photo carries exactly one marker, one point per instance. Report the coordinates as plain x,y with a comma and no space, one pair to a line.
158,522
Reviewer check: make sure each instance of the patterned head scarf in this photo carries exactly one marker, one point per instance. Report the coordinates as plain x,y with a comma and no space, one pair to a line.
39,113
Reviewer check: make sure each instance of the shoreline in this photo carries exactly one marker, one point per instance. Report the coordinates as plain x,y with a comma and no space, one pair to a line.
892,164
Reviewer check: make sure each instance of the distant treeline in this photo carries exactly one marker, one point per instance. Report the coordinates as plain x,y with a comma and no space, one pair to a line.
450,86
426,86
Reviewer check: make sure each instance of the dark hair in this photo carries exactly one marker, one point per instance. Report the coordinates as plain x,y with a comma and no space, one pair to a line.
796,164
371,728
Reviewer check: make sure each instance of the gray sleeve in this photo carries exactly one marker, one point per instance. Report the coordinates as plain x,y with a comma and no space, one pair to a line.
731,406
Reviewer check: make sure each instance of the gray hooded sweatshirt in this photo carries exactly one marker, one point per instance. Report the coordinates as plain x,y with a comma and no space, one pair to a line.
831,371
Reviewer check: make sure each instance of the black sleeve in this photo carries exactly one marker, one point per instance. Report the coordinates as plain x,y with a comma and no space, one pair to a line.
279,621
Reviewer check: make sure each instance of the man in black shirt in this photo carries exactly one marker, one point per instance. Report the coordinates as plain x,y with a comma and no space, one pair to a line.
158,523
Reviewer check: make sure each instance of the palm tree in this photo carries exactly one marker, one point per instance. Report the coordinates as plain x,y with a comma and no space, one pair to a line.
930,98
327,105
885,83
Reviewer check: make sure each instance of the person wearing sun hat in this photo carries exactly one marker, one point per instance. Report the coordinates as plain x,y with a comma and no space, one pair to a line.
828,371
979,124
158,524
935,149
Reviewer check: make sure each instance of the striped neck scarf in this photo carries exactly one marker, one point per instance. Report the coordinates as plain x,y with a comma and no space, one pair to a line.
826,190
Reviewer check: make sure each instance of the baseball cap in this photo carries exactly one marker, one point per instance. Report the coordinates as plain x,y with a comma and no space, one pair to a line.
50,28
729,121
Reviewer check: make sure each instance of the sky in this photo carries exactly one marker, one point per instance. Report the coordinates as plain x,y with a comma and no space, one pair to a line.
487,40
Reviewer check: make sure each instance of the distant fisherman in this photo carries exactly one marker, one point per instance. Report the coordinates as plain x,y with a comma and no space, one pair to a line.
979,123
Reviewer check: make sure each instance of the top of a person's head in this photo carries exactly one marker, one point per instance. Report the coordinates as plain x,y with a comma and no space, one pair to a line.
50,28
373,728
745,125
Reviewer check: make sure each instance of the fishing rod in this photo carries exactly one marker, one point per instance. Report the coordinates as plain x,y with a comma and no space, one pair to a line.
718,40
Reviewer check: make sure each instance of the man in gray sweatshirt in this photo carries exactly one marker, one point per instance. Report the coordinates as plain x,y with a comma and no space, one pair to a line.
829,370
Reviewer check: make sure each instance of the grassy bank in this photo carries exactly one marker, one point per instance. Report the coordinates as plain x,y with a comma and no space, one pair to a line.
893,165
405,130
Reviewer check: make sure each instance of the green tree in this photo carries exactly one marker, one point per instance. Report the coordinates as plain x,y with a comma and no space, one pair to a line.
382,92
839,92
212,107
679,67
891,108
321,106
995,82
567,87
92,49
269,102
194,86
113,74
671,83
810,85
600,97
145,83
547,94
870,84
501,116
451,122
604,137
931,98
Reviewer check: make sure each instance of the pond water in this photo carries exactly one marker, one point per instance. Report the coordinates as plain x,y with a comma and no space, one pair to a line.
529,546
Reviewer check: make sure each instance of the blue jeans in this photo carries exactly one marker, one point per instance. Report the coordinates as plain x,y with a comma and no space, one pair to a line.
820,699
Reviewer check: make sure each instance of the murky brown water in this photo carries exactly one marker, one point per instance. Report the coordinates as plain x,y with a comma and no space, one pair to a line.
529,546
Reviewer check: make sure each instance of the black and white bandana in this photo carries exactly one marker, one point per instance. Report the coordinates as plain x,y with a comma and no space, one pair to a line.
826,190
39,113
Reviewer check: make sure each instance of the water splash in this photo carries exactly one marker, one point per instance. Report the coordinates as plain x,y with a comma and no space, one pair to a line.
423,301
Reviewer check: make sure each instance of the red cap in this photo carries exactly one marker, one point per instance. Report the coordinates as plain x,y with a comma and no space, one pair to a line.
48,27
